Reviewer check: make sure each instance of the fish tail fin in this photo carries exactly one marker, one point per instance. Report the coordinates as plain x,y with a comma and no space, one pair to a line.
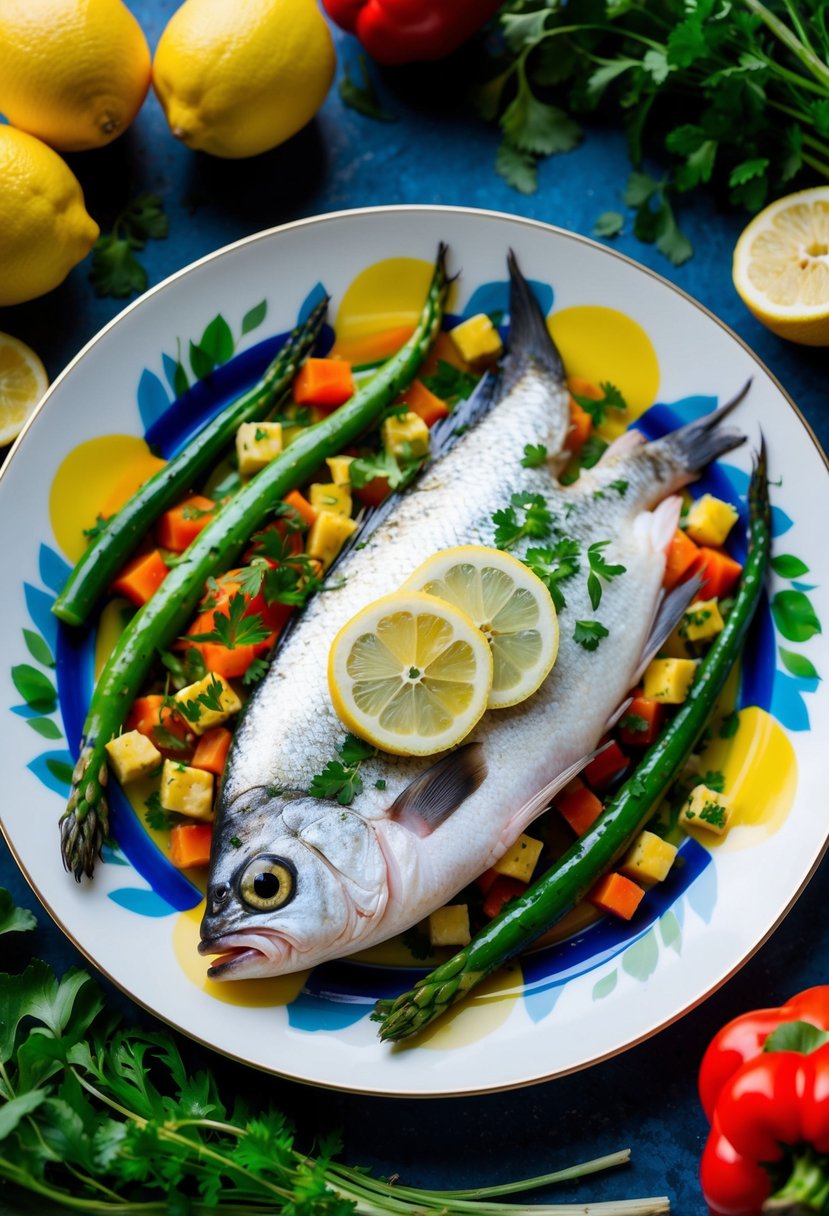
705,439
529,338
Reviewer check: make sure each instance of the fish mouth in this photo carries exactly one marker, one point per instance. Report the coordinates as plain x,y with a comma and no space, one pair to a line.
247,954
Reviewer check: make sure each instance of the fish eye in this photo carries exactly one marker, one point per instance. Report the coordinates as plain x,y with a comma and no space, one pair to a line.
267,883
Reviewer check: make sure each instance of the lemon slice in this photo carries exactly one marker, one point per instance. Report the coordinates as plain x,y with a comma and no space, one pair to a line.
508,603
781,267
23,382
410,674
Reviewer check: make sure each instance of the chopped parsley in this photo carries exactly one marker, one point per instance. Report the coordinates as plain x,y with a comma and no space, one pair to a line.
210,699
340,779
190,512
260,434
612,399
98,528
589,633
620,486
634,723
599,570
713,813
534,455
185,668
255,671
536,523
554,565
591,453
159,819
235,628
235,842
364,469
450,383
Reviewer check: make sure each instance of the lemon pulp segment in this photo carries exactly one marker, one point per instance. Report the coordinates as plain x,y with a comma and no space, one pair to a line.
23,382
508,603
410,674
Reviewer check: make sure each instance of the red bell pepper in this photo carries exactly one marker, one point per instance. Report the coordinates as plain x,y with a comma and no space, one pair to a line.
764,1084
407,31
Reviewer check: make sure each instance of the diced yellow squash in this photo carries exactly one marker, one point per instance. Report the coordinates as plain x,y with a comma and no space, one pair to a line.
709,520
449,926
328,496
519,860
257,444
340,469
702,620
675,646
648,859
405,436
668,680
132,756
328,534
188,791
222,703
707,809
476,340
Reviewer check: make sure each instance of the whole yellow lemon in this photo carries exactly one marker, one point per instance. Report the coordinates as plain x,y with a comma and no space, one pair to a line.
72,72
236,77
44,226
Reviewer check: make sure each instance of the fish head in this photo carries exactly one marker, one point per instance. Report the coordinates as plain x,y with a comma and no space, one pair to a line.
293,880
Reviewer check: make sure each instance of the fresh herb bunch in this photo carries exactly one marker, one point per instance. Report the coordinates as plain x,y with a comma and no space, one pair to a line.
101,1117
735,91
116,270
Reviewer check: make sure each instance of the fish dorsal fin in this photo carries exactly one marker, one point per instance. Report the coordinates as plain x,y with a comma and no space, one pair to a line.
431,798
668,615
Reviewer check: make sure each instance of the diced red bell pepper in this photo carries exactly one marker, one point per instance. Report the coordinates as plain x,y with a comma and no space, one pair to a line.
606,767
652,714
719,572
373,492
680,556
579,806
501,892
424,403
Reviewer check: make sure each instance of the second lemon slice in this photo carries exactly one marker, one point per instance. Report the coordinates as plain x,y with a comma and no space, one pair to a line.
508,603
410,674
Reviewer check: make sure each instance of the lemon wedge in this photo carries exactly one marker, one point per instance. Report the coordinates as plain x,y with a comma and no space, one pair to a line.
781,267
23,381
508,603
410,674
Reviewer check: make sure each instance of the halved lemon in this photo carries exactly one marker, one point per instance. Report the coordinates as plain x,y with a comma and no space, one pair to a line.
508,603
410,674
23,381
781,267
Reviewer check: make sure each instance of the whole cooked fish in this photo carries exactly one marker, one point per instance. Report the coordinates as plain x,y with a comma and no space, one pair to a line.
295,880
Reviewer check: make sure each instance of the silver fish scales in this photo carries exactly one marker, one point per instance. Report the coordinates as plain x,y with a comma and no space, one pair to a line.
296,880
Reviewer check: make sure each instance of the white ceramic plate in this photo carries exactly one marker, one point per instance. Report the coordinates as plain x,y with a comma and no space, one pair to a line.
570,1005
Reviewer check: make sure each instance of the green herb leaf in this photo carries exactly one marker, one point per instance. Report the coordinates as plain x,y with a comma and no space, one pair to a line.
450,383
554,566
589,633
536,522
115,270
360,94
634,723
336,781
534,456
185,667
597,408
354,751
234,628
257,670
517,168
600,570
97,528
609,224
12,919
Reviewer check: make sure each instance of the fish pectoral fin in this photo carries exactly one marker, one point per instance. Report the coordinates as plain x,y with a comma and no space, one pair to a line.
668,615
431,798
539,802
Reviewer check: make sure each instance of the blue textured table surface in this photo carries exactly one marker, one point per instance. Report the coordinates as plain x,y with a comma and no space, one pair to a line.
439,152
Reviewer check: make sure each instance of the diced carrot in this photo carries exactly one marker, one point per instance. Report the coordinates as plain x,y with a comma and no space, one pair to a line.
190,845
681,555
221,660
580,387
302,507
148,713
141,577
581,424
651,712
617,894
444,350
487,879
370,348
580,807
211,750
373,492
719,573
604,768
424,403
502,891
178,528
327,383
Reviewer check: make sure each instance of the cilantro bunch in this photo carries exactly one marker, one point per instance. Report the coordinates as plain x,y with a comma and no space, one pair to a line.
97,1116
732,93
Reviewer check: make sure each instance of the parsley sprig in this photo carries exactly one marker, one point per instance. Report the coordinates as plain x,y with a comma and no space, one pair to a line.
528,515
115,269
340,779
589,633
600,570
234,628
735,97
554,565
210,698
597,407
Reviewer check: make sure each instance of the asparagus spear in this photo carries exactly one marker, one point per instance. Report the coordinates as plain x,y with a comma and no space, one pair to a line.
84,824
568,880
108,552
